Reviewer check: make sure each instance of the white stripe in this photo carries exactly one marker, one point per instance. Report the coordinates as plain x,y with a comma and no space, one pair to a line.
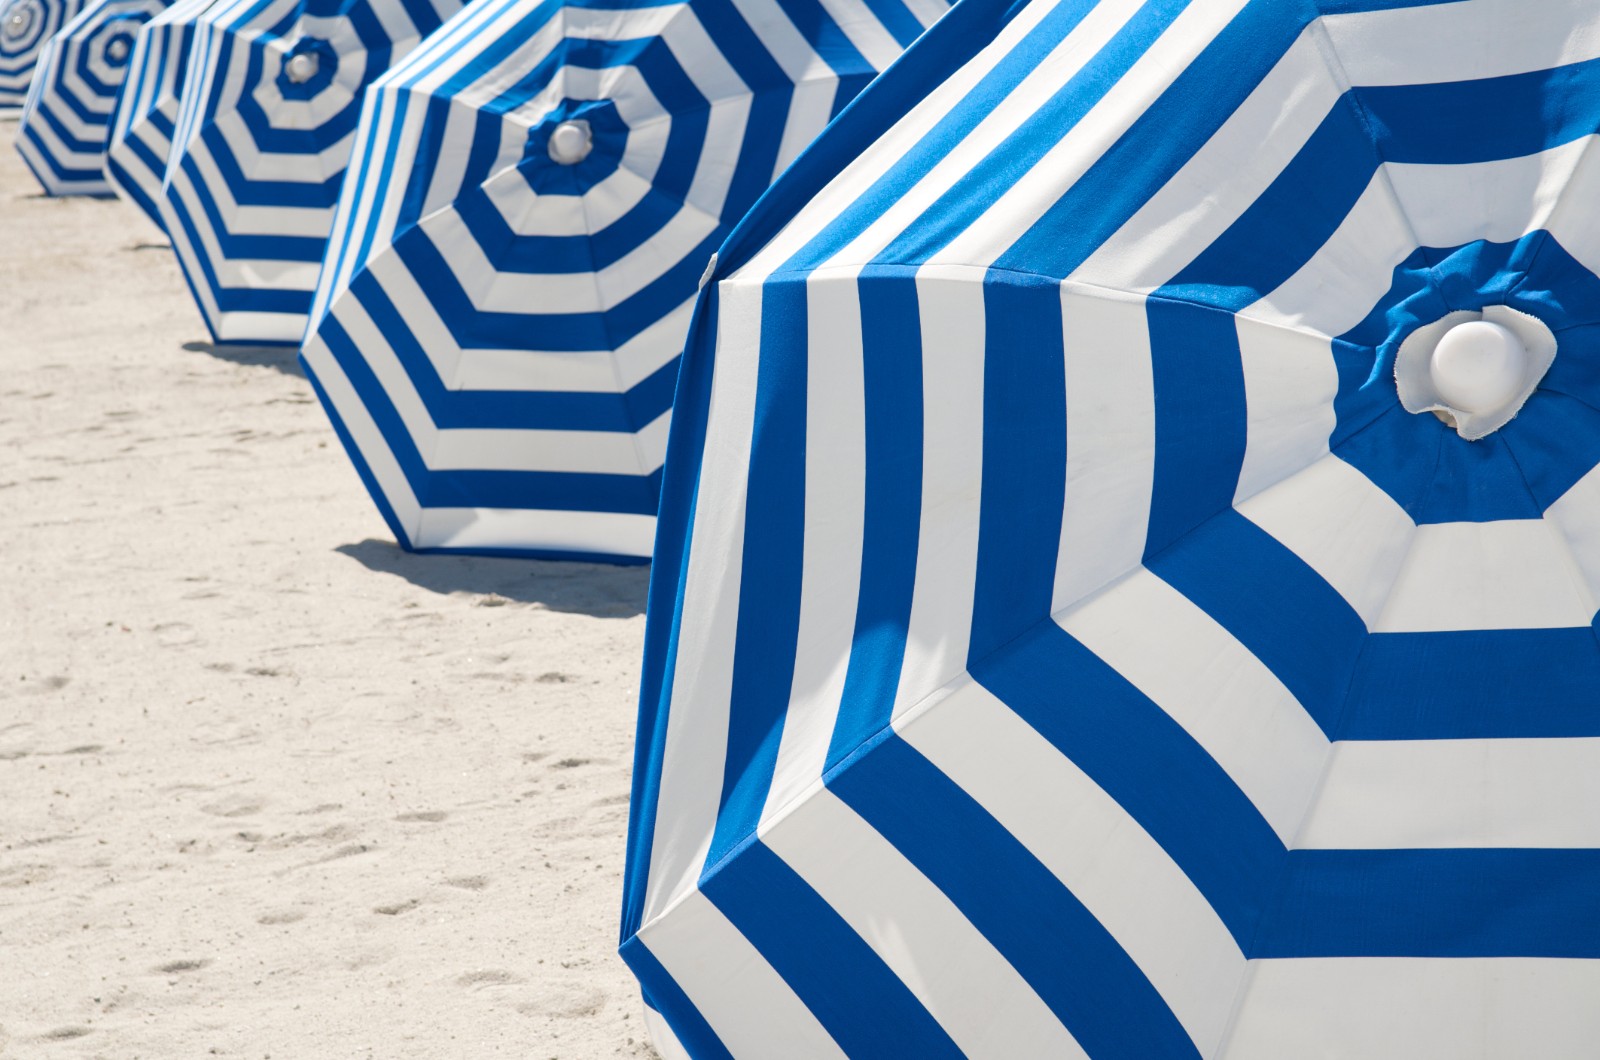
835,500
609,533
1343,526
697,721
1511,574
1419,1009
979,999
1459,793
951,321
1111,439
1463,41
1108,862
748,1005
1290,381
1577,516
1210,684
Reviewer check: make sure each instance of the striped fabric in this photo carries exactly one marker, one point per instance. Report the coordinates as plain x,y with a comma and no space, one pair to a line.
1063,641
141,126
25,27
262,136
496,333
66,120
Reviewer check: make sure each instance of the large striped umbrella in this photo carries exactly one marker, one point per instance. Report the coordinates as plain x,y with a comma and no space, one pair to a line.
1130,549
534,196
263,135
25,27
67,118
142,125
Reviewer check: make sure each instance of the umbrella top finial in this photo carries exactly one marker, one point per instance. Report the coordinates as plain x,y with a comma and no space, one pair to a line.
302,67
1479,366
17,21
571,142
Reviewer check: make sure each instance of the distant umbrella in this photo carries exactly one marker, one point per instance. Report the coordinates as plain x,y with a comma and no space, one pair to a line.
534,196
1129,553
25,27
263,135
141,127
66,120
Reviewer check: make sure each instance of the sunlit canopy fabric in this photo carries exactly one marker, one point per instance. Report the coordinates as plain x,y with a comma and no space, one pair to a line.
67,117
263,133
141,126
25,27
534,196
1129,553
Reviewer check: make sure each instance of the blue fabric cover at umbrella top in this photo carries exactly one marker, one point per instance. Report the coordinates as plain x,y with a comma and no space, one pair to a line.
268,113
67,117
142,125
1065,636
497,329
25,27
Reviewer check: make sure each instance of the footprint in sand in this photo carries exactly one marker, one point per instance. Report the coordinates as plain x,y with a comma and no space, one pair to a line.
564,1001
64,1034
493,977
175,634
468,883
424,816
179,967
233,806
281,916
397,908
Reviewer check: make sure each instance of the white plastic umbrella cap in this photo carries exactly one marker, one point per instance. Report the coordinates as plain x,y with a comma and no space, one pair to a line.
1479,366
571,142
302,67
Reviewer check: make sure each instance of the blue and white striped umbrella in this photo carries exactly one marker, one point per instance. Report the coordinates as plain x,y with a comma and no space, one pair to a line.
66,120
263,134
25,27
1130,548
141,127
535,193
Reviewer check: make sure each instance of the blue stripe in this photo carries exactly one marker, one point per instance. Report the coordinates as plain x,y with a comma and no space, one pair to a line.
770,567
1436,903
1024,451
1098,992
662,993
1145,761
1274,604
868,1012
892,383
1475,684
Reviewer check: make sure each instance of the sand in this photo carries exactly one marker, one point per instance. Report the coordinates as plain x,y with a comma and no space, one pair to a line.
269,786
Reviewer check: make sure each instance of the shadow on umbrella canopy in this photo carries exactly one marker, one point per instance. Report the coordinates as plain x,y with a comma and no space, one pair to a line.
1129,553
66,121
262,136
533,199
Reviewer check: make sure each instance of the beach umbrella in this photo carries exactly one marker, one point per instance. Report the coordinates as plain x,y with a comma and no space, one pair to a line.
142,124
534,195
262,136
67,117
1129,552
25,26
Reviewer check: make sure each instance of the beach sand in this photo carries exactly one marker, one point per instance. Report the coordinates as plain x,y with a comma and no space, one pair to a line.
269,786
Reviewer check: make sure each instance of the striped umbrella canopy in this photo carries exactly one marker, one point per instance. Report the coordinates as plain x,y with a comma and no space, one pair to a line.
66,120
1129,553
534,196
142,125
262,136
25,27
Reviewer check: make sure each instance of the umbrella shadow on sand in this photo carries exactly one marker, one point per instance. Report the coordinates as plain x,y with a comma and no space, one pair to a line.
583,588
284,359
